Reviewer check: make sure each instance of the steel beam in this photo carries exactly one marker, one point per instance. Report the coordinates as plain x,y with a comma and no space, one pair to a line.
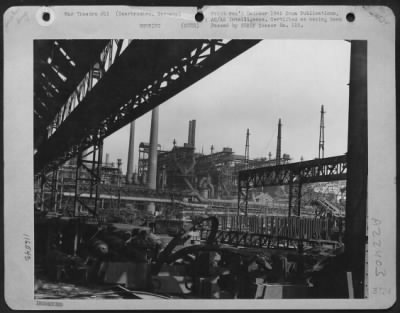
328,169
318,170
134,85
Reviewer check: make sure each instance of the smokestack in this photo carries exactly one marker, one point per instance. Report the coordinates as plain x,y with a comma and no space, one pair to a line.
131,150
190,133
278,146
193,134
107,158
153,154
152,172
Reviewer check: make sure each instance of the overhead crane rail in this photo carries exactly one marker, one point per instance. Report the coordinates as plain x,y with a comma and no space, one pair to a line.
146,74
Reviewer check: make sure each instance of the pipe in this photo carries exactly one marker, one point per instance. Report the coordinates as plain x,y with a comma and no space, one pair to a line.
131,150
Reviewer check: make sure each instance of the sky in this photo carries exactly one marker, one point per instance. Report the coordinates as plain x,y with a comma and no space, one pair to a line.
287,79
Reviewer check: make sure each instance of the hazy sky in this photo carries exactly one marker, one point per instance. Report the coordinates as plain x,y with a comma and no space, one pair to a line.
287,79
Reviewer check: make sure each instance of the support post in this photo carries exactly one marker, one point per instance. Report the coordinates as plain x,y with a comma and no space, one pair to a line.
98,173
239,196
77,175
357,167
299,199
290,197
246,199
60,207
53,193
42,183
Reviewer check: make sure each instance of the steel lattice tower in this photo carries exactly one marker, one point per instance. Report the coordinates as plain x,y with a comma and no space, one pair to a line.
321,147
247,150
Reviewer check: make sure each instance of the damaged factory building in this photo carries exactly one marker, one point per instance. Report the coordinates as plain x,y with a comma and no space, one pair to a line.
185,219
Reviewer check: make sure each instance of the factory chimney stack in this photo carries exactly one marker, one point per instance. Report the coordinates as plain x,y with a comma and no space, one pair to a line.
152,174
279,142
153,154
107,158
193,139
131,150
192,133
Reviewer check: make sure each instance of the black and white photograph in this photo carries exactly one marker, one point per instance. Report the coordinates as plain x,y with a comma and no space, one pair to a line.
243,156
189,169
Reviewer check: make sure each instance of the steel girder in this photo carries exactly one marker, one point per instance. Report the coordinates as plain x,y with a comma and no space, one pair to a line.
59,65
318,170
292,174
253,240
88,162
132,86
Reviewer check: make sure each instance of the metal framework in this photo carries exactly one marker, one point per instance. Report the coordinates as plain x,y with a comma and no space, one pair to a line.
88,169
321,146
54,190
59,66
247,150
294,175
246,239
108,56
243,197
47,184
132,86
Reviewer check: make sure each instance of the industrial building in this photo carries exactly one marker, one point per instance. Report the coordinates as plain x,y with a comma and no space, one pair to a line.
185,224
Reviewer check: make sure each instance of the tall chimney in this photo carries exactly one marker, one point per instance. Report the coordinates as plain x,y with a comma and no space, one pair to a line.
107,158
193,134
152,173
153,154
190,133
131,150
278,145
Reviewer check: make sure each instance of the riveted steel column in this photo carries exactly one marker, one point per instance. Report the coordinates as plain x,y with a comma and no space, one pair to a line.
357,163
